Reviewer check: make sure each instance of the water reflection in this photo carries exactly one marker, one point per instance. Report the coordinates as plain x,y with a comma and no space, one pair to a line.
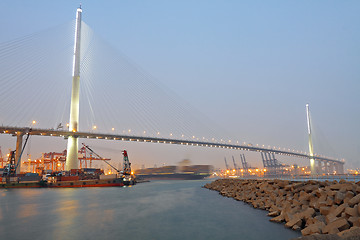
27,210
157,210
65,218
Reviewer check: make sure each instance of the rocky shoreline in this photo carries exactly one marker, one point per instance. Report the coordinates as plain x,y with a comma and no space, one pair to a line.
320,210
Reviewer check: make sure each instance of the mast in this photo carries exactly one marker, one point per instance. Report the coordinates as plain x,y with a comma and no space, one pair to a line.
311,148
72,146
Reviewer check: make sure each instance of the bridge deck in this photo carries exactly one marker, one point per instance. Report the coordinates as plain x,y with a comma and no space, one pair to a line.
65,134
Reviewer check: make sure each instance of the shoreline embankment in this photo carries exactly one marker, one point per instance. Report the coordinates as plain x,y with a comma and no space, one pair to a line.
319,209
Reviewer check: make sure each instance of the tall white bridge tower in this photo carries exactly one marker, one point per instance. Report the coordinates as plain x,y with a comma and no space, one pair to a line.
311,148
72,145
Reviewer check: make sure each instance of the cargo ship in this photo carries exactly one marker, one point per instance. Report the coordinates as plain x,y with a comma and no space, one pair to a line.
184,171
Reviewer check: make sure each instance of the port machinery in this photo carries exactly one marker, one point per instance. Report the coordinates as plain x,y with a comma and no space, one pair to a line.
73,178
126,174
55,161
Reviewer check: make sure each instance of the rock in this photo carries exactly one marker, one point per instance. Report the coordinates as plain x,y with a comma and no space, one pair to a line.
312,229
287,216
357,189
296,228
346,187
295,221
351,211
319,218
310,188
278,219
308,213
304,196
330,218
337,212
324,210
349,194
330,201
354,200
336,226
339,197
335,186
352,233
354,221
317,207
273,214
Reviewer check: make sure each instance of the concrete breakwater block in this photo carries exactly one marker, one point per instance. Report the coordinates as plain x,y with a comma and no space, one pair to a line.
318,209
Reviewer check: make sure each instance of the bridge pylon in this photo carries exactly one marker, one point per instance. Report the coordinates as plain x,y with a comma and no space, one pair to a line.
72,145
311,148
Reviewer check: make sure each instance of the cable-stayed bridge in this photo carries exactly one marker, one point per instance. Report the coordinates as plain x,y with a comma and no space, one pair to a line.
330,164
149,105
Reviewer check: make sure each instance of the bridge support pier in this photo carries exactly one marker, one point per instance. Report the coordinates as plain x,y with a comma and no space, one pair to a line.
72,161
19,140
319,170
326,164
332,168
339,168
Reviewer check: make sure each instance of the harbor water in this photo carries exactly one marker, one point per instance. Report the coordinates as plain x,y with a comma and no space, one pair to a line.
153,210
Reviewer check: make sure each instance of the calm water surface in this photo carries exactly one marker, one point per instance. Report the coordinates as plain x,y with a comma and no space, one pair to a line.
154,210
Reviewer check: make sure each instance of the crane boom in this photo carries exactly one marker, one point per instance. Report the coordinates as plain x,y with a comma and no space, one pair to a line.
92,151
234,163
226,165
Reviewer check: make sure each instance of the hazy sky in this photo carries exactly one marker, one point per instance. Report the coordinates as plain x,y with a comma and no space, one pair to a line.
249,66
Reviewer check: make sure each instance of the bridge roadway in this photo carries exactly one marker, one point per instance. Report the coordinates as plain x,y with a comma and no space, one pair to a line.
60,133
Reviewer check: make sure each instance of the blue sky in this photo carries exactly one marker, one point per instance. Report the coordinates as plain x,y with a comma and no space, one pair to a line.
249,66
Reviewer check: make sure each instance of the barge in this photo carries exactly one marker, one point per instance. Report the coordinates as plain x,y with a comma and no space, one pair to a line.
75,178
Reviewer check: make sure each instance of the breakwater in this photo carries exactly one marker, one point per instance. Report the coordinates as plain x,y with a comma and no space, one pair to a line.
312,207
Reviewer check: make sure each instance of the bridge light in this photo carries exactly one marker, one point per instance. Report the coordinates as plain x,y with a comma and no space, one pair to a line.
33,122
112,129
94,127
